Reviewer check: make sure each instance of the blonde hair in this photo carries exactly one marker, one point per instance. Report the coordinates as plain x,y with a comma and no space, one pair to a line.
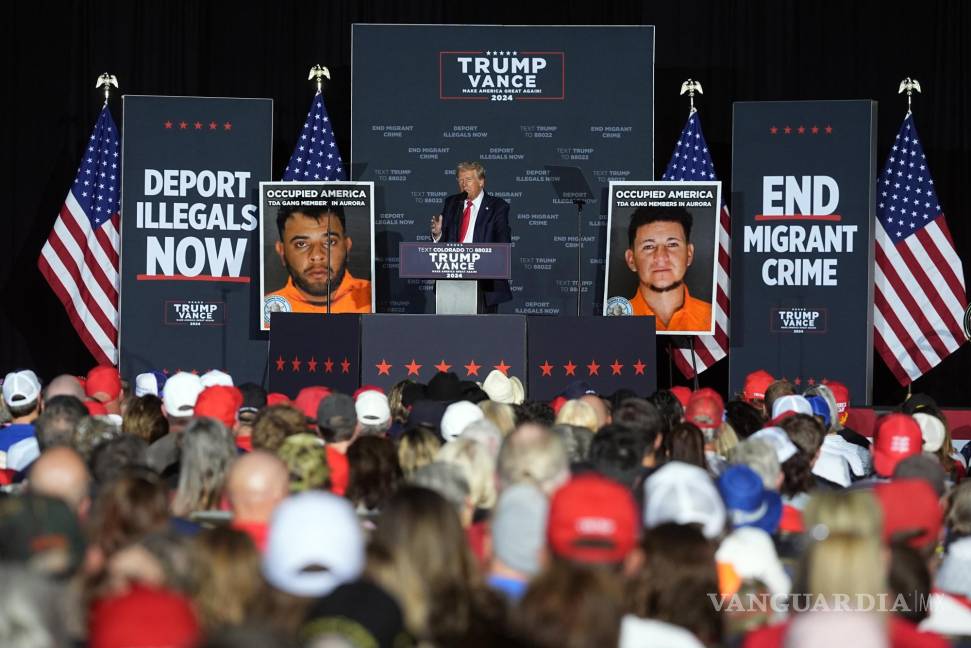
227,575
478,466
578,413
845,556
503,415
471,166
726,440
417,447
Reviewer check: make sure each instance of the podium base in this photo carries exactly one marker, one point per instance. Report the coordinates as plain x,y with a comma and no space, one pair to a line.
456,297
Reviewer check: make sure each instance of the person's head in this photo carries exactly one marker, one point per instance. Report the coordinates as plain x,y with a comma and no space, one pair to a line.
337,418
776,390
761,457
744,418
845,552
534,412
254,399
396,400
449,481
533,454
56,424
92,431
103,384
307,463
580,413
518,527
666,404
417,447
827,409
274,424
207,451
593,521
21,394
477,465
502,414
373,413
673,584
374,471
313,247
226,576
685,442
897,436
806,433
471,178
684,494
618,452
576,441
111,459
63,385
60,472
659,249
959,511
256,483
127,509
144,419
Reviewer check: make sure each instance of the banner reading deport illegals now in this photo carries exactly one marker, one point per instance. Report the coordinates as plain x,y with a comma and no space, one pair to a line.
190,231
802,243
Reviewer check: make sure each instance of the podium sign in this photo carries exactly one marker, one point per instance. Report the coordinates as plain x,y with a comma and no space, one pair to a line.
455,260
802,242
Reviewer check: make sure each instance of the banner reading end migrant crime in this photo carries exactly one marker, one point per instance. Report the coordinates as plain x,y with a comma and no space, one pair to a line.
802,243
191,168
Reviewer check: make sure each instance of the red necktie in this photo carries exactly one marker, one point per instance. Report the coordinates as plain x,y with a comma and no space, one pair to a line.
466,217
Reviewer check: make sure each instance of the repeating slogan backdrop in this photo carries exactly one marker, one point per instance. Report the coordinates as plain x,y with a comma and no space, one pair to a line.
541,107
192,168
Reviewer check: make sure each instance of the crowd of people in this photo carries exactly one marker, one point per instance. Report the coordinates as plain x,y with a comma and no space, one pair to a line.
188,511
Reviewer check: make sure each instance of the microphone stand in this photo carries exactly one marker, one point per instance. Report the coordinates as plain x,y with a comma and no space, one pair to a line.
579,202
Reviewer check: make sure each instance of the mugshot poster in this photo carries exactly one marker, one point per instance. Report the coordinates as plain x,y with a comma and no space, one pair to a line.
803,243
294,269
191,168
670,270
539,107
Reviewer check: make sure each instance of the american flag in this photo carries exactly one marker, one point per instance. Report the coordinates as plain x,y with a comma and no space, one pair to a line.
80,258
920,298
692,161
316,156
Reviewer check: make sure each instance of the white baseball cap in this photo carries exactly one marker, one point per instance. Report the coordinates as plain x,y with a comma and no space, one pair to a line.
214,377
684,494
779,440
372,408
180,393
457,417
21,388
315,544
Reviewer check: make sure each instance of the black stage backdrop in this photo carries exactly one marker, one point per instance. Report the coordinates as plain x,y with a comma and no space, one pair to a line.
741,50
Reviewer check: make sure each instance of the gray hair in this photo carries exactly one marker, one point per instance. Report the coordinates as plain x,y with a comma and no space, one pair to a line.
533,454
208,450
446,479
576,440
91,432
32,611
761,457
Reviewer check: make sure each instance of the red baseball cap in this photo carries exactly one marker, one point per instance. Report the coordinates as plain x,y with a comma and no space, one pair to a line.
95,408
219,402
143,618
897,437
557,403
363,388
103,384
276,398
910,505
704,411
755,385
683,394
842,395
592,520
308,399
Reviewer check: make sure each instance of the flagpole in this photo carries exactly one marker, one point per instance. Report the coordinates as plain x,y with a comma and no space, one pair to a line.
317,73
107,80
909,85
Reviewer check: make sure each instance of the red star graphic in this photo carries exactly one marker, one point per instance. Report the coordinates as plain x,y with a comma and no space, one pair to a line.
797,381
593,369
168,124
503,367
787,130
228,126
774,130
165,371
639,368
328,365
295,363
814,130
383,368
546,368
801,130
195,372
413,368
616,367
472,369
811,381
213,125
312,365
570,368
345,366
443,366
828,129
198,125
183,125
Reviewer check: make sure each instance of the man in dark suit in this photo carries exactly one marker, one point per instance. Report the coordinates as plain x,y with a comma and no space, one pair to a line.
473,216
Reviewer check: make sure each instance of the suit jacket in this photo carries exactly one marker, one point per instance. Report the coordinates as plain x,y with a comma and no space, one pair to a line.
491,226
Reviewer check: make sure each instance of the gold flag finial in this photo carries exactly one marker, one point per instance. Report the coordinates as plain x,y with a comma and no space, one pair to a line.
318,72
909,85
690,86
107,80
